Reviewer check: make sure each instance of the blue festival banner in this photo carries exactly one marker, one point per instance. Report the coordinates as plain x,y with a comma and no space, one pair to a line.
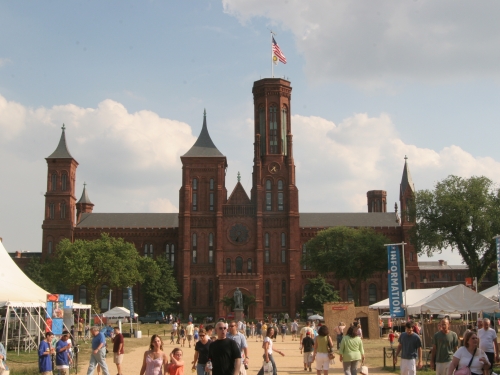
395,288
497,238
130,303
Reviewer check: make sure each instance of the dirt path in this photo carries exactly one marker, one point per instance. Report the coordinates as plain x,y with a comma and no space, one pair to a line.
290,364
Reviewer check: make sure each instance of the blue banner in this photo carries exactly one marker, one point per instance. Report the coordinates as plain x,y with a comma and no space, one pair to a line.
498,264
130,303
395,288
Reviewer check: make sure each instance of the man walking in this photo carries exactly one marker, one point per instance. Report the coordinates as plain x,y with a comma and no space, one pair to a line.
444,345
305,329
62,354
98,354
224,353
45,351
410,347
241,341
118,349
190,332
294,327
488,341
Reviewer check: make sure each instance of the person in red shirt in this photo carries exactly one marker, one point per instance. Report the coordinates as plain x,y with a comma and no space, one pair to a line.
391,338
118,349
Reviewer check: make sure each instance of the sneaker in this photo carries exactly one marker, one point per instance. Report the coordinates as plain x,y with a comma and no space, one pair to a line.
310,369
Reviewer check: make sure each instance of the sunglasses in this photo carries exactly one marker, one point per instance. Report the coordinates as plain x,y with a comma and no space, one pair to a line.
222,328
232,325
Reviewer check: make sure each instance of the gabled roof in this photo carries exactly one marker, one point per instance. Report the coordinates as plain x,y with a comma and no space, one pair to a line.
129,220
239,195
204,146
348,219
406,180
61,151
85,197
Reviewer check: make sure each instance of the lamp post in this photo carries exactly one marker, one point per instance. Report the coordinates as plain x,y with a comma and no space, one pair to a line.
178,309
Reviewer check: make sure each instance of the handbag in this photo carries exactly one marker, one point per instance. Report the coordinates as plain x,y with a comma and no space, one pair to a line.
267,367
466,370
330,349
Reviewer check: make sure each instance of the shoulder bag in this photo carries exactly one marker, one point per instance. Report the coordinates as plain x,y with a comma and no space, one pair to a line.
466,370
330,348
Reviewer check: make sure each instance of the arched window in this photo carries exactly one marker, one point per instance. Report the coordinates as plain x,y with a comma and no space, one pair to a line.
210,292
210,248
49,247
411,256
83,294
228,265
283,130
63,210
262,125
269,200
148,250
64,182
239,264
283,293
273,130
281,205
249,265
193,292
372,294
349,294
266,248
52,210
211,195
104,297
195,248
53,183
195,194
304,254
125,297
267,293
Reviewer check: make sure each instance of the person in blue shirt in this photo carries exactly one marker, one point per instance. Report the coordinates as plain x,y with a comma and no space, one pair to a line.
62,354
98,354
3,356
45,351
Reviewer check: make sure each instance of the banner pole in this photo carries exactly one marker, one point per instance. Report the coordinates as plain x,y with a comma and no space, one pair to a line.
497,240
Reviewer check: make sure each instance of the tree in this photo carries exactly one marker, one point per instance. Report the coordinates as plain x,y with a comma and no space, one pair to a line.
159,287
36,271
461,214
351,254
107,260
319,292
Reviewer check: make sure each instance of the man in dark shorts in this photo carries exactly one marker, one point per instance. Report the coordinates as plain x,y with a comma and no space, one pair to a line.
224,353
118,349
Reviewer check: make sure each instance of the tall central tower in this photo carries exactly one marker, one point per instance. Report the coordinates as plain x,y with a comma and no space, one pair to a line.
275,195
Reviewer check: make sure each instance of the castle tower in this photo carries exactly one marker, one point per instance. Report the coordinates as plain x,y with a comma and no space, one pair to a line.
60,200
377,200
201,197
406,195
275,197
84,205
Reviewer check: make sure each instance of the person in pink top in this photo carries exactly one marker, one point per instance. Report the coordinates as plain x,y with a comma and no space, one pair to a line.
154,358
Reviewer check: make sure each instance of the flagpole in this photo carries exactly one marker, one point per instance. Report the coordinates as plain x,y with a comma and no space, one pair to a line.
272,53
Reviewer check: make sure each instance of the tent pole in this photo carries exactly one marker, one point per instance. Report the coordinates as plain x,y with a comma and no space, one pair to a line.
6,328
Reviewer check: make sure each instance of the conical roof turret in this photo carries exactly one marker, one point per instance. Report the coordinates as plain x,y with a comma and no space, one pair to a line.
406,180
61,151
85,196
204,146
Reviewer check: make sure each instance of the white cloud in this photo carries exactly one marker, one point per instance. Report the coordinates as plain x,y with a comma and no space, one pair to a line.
162,205
373,43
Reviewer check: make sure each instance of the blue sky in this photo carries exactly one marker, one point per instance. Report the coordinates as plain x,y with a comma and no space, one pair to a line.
372,82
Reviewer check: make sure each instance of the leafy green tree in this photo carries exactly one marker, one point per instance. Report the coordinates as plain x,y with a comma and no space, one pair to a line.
159,287
107,260
461,214
351,254
37,272
318,293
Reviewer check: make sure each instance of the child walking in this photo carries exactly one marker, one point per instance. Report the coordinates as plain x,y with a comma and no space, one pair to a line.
391,338
176,365
307,346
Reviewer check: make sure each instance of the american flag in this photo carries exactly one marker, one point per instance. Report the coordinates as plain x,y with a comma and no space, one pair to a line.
277,52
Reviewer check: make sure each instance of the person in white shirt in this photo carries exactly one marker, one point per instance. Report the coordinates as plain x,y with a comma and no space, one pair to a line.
462,357
488,341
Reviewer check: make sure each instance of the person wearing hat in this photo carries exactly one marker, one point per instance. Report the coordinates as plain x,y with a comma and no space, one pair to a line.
307,346
63,357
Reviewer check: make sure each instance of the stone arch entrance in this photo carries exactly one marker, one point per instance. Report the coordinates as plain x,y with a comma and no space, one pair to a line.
249,310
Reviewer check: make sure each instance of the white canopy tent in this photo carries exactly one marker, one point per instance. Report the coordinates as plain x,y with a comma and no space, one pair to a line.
412,296
491,293
454,299
24,302
118,312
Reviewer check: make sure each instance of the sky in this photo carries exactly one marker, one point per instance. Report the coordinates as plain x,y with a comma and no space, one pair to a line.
372,81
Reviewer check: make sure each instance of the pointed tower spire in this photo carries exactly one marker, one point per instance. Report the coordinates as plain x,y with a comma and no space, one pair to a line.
84,205
204,146
406,180
85,196
61,151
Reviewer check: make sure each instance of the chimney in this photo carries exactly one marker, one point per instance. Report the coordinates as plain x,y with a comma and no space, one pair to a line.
442,263
18,254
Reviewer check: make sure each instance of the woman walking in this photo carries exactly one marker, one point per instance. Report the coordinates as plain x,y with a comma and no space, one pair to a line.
322,346
201,353
351,351
470,356
268,351
154,358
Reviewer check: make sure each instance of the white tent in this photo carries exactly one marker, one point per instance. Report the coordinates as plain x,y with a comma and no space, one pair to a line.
491,293
454,299
118,312
412,296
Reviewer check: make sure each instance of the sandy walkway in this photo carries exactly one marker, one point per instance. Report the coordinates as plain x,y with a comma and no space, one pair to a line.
291,363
